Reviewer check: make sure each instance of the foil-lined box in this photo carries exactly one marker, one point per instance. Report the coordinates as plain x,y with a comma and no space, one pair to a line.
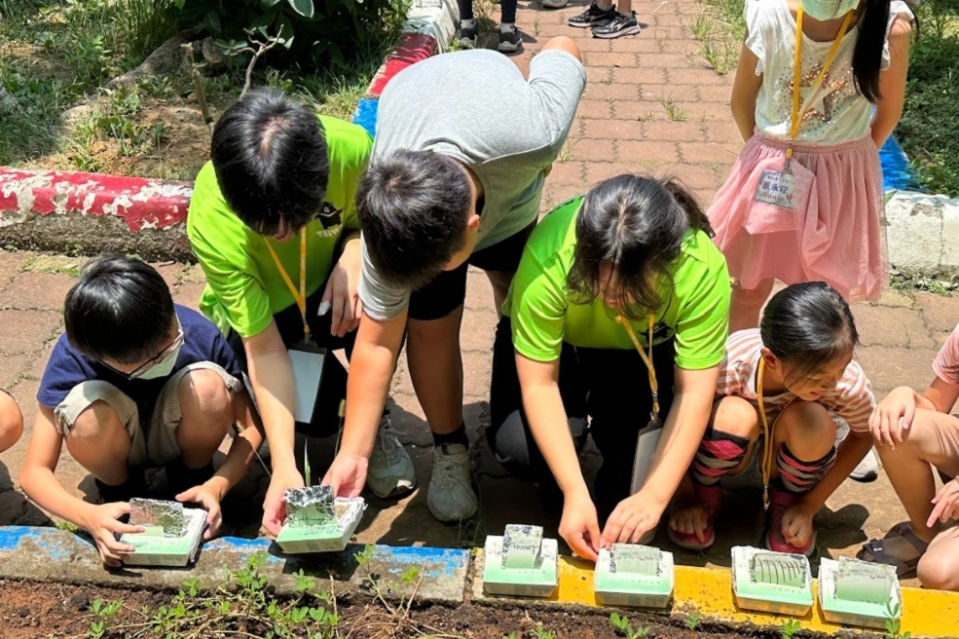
634,575
171,533
520,563
859,593
768,581
316,521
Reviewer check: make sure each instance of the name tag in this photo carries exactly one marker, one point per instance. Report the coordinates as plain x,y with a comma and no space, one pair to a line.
777,188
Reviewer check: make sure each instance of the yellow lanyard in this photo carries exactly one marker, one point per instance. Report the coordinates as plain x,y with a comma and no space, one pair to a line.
797,115
767,434
299,296
647,359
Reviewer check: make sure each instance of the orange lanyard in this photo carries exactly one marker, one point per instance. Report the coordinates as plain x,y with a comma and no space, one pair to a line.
299,296
647,359
767,434
797,114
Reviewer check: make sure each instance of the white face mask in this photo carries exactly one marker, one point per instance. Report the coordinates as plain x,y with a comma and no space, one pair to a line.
164,367
828,9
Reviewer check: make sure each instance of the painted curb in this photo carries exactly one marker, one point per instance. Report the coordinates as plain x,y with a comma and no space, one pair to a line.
708,591
50,555
923,233
412,48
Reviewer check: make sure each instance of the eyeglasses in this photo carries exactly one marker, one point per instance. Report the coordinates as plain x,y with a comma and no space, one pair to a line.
145,366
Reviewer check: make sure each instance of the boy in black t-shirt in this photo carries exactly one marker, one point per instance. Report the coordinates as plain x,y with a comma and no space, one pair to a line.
136,382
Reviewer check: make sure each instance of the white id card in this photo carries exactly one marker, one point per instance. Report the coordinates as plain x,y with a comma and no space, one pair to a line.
646,445
307,371
777,188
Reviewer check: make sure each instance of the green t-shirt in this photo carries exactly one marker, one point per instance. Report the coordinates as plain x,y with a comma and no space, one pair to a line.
543,316
244,288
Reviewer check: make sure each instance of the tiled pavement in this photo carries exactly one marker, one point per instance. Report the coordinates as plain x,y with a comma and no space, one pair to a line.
622,125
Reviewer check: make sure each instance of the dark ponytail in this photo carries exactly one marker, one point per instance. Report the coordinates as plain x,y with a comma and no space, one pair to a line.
808,326
867,55
636,226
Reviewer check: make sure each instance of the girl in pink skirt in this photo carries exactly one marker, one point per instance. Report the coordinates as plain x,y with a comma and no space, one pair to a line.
819,88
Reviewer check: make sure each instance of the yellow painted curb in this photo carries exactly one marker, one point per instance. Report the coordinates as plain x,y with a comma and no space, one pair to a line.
926,613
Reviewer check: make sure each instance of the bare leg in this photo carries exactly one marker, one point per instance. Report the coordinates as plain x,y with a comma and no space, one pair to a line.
100,443
807,429
436,369
746,305
11,422
939,567
207,408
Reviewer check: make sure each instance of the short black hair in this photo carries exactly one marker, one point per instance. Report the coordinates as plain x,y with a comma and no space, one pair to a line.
271,162
121,310
808,326
413,208
634,224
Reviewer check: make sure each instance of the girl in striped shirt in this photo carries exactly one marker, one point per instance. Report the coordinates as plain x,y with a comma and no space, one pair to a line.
781,389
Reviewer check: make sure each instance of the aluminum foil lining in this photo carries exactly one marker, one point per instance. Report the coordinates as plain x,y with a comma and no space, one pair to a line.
310,506
153,512
521,546
634,559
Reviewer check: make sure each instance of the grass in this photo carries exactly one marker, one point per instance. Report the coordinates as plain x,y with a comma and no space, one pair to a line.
674,112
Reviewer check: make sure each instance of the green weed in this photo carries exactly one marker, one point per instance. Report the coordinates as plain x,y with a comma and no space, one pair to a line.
702,27
673,111
894,623
789,628
692,620
626,629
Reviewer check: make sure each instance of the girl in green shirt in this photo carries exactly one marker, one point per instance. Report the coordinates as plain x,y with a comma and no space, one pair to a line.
600,277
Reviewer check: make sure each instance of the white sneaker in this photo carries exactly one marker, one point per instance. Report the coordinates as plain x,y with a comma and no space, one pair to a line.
868,468
451,498
554,4
391,472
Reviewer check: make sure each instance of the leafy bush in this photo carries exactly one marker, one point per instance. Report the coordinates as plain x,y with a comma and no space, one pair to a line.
315,31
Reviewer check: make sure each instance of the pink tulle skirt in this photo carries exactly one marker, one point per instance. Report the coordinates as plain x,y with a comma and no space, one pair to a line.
837,235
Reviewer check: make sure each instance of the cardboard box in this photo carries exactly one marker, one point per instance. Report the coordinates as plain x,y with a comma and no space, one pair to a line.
769,581
634,575
310,533
859,593
520,563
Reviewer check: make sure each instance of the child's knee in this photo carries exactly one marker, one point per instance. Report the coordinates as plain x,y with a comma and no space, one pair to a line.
11,422
95,421
204,389
735,416
939,571
808,428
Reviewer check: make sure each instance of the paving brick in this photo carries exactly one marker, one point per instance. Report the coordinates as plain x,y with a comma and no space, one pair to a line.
644,110
683,94
710,111
647,151
710,152
478,331
897,299
194,275
479,294
567,172
720,131
639,75
715,92
593,150
939,312
888,368
594,109
646,45
893,327
705,197
680,75
674,131
14,368
599,171
594,59
38,362
556,194
596,89
694,176
662,60
587,45
43,291
188,294
614,129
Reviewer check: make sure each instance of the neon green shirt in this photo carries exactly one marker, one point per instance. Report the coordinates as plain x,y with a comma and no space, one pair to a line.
543,316
244,288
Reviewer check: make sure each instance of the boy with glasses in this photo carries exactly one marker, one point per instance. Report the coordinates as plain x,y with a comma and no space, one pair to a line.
136,382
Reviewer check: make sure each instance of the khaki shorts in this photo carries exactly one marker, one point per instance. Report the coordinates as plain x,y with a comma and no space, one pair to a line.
155,447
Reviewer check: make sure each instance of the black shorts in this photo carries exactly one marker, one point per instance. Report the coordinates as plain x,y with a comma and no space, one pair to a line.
447,291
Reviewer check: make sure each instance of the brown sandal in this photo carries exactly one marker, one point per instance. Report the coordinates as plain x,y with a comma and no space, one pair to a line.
875,550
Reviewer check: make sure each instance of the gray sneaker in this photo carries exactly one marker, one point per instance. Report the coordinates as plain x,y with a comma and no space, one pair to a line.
617,27
451,498
390,472
868,469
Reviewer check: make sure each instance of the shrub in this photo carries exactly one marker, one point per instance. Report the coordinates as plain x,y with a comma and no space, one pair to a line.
321,30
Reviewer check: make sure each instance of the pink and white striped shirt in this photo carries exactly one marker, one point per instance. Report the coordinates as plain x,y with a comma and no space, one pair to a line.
852,399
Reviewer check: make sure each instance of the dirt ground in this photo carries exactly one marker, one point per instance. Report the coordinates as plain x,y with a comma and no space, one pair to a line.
32,611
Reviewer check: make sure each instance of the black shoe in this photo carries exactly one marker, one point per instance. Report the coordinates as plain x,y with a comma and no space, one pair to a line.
510,41
593,16
466,36
618,27
179,478
134,486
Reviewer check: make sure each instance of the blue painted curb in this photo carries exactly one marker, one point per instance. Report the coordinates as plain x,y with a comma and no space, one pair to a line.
365,115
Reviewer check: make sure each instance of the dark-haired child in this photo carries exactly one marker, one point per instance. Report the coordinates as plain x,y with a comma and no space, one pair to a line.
781,388
624,276
135,382
915,434
11,421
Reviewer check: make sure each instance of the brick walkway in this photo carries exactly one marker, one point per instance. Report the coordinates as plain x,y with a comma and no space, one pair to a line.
622,125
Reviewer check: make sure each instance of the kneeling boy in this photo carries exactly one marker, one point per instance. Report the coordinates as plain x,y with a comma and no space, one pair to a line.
136,382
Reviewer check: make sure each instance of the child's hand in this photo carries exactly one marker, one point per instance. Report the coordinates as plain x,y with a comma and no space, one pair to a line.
102,523
947,504
274,506
797,524
892,416
209,498
580,526
632,518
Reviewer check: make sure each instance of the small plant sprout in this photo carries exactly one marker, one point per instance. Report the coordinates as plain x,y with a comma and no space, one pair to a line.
674,112
541,633
626,629
702,27
894,622
789,628
692,620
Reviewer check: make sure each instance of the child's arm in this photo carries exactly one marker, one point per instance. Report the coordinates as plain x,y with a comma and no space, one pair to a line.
39,483
892,82
797,522
745,91
238,460
897,409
